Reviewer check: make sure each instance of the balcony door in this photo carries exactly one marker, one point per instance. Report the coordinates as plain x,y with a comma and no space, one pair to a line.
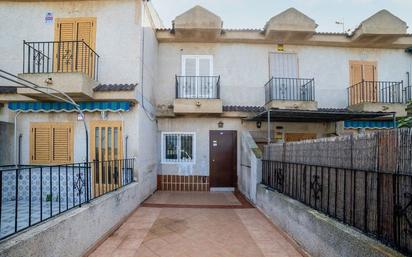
361,71
197,72
75,42
106,149
284,68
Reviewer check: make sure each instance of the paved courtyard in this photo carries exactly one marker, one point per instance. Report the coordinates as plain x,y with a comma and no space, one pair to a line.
197,224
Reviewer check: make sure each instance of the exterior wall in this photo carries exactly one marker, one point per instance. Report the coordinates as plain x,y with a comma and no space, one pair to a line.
202,125
126,43
244,69
84,226
117,33
6,140
318,234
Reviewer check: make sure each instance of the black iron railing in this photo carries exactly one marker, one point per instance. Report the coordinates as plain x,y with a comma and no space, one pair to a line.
198,87
378,92
32,194
60,56
290,89
377,203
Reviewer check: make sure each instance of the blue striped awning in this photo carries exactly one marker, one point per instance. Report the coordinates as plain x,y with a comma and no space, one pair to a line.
370,124
66,107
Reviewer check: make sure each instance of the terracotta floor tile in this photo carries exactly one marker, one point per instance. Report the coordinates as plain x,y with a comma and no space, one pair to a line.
196,232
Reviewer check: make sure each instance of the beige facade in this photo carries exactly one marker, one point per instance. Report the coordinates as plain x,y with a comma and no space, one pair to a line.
199,76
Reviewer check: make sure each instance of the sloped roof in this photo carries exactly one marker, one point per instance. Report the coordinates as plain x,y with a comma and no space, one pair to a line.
114,87
8,90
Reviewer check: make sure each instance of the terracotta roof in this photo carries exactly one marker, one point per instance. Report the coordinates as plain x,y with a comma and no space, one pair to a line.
8,90
243,108
114,87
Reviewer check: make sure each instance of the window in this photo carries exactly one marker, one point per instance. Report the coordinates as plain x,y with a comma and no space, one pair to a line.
283,65
71,56
178,147
197,65
197,71
51,143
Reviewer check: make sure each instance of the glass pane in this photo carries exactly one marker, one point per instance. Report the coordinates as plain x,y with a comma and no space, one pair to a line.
109,154
116,143
186,147
103,150
96,153
96,144
171,147
109,143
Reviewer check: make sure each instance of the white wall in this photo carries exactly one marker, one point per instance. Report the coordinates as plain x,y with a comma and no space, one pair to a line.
119,43
244,69
117,33
202,125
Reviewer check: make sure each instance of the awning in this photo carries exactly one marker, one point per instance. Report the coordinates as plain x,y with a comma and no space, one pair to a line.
370,124
66,107
320,115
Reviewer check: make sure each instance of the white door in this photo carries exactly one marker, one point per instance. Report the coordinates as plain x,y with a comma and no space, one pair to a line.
198,81
283,65
284,70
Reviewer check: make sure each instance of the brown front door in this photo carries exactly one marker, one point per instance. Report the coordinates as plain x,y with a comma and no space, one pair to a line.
223,158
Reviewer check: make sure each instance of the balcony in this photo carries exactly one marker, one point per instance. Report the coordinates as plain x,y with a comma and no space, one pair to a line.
290,93
67,66
198,94
384,96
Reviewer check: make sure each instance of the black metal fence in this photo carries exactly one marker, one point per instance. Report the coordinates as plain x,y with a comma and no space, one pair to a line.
60,56
198,87
32,194
290,89
364,181
378,92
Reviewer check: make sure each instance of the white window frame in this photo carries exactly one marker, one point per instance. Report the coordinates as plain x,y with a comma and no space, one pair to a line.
177,161
197,57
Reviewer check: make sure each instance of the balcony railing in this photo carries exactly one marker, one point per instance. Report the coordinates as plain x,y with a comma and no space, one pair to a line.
30,194
290,89
197,87
379,92
60,56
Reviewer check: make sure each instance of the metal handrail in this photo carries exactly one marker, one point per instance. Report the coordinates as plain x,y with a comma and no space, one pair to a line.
197,87
290,89
60,56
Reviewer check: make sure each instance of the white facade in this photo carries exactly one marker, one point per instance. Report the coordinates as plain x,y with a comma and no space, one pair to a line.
244,69
126,43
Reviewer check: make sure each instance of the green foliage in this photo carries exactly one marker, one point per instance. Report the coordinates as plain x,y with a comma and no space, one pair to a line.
405,122
48,198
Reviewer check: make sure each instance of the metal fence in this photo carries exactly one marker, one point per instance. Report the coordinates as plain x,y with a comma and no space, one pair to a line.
60,56
32,194
378,92
291,89
198,87
364,181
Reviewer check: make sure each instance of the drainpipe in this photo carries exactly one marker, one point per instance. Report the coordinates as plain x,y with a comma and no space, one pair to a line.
16,155
127,138
20,137
268,126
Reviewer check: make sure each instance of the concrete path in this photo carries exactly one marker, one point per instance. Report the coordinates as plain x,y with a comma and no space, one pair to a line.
180,224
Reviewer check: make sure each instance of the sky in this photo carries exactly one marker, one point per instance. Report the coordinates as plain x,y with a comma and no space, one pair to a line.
254,14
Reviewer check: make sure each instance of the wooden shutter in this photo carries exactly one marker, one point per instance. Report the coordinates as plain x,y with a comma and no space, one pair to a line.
71,56
86,33
283,65
363,71
62,143
355,73
51,143
40,141
64,34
